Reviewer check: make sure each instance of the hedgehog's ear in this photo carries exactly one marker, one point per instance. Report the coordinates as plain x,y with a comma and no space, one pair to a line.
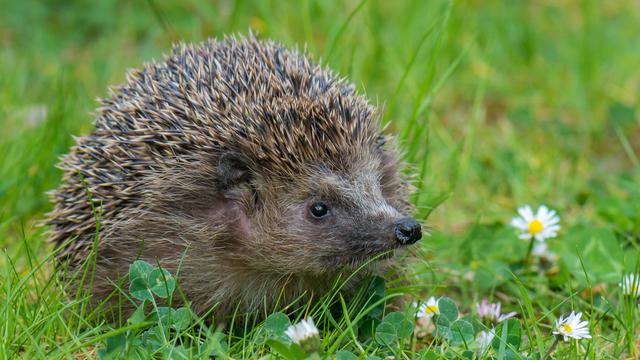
233,172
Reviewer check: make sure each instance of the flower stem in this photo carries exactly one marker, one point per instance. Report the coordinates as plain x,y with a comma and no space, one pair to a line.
527,256
551,349
630,306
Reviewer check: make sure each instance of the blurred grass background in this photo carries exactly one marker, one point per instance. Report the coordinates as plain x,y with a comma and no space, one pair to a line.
541,104
495,103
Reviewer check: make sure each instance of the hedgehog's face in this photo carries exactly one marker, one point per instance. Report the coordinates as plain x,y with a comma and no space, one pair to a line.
322,220
340,220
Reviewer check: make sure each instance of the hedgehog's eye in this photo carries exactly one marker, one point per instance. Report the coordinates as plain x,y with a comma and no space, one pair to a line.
319,210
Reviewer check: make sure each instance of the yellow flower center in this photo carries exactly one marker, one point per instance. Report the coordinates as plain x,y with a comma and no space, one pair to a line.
566,328
535,227
431,309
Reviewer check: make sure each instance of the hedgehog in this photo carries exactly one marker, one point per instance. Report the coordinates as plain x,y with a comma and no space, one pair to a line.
256,175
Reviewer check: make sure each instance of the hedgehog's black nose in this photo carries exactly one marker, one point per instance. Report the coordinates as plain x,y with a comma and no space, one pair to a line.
408,231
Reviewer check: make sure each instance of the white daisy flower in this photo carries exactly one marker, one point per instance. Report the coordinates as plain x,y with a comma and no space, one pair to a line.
631,285
302,331
484,339
541,225
572,327
491,311
429,309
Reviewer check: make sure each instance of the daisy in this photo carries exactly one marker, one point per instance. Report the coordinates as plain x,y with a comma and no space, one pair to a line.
302,331
572,327
630,285
484,339
491,311
429,309
541,225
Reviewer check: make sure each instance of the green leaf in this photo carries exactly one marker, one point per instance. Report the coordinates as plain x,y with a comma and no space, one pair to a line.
138,280
468,354
178,319
281,348
114,347
153,338
345,355
386,334
140,269
394,326
139,289
164,315
181,318
137,353
298,353
512,336
429,355
448,309
161,283
176,352
404,326
512,355
277,323
444,331
461,332
216,347
137,316
448,314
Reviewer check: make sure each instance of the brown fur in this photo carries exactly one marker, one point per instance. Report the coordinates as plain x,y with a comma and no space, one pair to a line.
208,161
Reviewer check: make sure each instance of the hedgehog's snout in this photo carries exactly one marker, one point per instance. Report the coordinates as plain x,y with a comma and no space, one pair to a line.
407,231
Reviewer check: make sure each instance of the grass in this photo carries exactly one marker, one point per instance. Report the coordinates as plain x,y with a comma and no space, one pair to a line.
496,105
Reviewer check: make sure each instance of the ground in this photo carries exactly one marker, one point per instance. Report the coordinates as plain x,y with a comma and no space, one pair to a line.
496,104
